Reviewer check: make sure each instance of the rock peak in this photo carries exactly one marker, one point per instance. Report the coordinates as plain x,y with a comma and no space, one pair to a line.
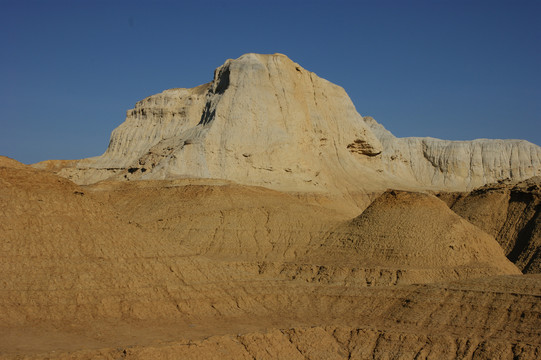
264,120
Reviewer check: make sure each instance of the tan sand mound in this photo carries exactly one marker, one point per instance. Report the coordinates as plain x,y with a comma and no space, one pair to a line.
219,218
416,233
80,281
10,163
54,165
66,256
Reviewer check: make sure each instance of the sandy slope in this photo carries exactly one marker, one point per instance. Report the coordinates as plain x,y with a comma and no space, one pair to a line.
208,269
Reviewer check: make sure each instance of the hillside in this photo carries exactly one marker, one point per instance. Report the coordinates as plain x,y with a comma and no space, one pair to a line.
509,211
87,274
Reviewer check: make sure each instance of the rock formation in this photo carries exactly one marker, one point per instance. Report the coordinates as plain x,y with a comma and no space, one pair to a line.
511,212
260,227
456,165
264,120
418,237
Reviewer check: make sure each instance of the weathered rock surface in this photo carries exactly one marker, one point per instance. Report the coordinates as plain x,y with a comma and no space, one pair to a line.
494,318
67,255
509,211
401,238
264,120
206,268
456,165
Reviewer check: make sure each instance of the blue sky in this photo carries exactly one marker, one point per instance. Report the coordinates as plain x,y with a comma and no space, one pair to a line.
455,70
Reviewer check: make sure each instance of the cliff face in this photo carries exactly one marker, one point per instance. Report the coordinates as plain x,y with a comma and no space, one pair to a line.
509,211
158,117
268,122
456,165
264,120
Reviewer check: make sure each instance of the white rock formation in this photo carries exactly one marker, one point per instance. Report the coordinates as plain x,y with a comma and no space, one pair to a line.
264,120
456,165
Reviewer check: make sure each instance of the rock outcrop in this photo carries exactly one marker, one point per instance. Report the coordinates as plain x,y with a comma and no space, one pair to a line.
509,211
456,165
264,120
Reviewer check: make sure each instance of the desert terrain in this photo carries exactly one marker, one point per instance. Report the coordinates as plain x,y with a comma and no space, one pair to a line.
260,216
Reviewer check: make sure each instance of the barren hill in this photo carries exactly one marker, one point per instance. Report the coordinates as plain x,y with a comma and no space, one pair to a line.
216,269
264,120
511,212
418,236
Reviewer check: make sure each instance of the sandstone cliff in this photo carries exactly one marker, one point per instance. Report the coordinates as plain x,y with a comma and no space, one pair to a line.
264,120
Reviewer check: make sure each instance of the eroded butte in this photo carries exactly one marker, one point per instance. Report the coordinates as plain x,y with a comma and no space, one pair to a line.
259,216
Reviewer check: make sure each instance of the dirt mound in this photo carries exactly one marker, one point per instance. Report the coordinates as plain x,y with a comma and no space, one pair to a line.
221,219
207,268
417,234
509,211
10,163
54,165
68,257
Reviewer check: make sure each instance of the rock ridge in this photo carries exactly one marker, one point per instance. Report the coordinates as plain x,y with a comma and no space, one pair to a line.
456,165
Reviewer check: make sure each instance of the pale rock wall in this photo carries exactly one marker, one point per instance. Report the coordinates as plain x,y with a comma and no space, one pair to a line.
263,120
266,121
457,165
153,119
269,122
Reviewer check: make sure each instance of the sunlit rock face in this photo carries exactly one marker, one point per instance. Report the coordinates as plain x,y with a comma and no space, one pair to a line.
460,165
264,120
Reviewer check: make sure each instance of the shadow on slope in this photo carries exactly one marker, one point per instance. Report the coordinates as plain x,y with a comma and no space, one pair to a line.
509,211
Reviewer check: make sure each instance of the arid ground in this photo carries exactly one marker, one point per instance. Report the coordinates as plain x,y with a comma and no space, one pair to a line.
259,216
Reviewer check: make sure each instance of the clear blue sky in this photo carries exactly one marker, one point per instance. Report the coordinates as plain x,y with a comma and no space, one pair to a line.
456,69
